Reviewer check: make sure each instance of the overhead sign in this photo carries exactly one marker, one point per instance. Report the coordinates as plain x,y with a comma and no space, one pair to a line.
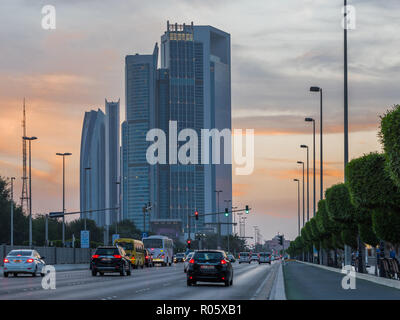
56,214
115,237
85,238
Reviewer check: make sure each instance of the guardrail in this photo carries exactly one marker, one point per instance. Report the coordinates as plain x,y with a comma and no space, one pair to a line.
53,255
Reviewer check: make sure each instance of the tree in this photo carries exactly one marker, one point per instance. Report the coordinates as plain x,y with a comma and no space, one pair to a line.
389,135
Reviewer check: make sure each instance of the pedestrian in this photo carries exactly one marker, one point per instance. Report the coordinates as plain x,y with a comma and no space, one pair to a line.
392,253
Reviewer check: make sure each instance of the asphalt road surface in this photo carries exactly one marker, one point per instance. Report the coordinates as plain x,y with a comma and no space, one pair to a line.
250,281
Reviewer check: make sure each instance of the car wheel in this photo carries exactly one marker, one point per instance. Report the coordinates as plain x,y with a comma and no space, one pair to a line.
101,274
122,272
34,272
231,282
189,283
129,270
5,274
227,282
42,274
15,274
94,273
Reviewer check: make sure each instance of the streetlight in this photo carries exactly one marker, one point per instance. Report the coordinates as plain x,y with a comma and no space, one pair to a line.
119,206
308,197
218,223
313,121
12,212
86,196
63,155
298,203
318,89
30,187
301,162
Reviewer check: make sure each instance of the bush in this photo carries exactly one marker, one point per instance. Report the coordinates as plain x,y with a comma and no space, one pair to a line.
386,224
369,183
389,135
338,204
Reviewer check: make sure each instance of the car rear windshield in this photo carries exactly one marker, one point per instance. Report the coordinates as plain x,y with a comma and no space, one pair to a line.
180,254
244,253
208,256
15,253
107,251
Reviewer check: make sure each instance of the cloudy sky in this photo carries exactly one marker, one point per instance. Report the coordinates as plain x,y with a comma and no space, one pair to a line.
279,49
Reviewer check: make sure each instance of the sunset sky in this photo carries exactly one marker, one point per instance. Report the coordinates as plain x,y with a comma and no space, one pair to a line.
279,49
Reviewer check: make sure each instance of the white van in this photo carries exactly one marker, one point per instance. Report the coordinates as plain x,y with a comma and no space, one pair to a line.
265,257
244,257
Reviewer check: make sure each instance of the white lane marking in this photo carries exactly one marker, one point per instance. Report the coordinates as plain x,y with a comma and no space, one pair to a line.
262,285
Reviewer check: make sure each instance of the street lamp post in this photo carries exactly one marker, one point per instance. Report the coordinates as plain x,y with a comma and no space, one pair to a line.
298,203
12,212
227,226
63,155
87,196
308,196
119,207
30,139
313,121
218,221
301,162
318,89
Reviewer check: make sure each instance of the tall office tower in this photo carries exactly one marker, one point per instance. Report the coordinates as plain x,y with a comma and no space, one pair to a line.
198,60
93,156
193,88
112,160
140,97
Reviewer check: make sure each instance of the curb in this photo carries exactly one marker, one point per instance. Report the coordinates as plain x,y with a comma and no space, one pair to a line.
278,288
378,280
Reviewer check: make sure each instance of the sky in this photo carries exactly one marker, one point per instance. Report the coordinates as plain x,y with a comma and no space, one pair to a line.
279,49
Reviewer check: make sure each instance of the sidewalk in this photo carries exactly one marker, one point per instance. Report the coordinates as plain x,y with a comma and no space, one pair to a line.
64,267
306,282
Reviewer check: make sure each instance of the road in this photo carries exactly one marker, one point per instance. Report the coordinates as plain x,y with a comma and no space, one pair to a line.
251,282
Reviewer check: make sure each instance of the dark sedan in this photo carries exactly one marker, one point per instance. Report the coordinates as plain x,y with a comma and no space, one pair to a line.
210,266
110,259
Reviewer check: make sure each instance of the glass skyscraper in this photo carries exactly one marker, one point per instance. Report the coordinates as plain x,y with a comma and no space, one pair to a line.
193,88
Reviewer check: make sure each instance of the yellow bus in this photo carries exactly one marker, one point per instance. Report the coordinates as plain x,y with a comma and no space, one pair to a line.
134,249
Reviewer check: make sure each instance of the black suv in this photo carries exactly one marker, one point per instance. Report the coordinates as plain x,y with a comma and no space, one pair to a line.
110,259
210,266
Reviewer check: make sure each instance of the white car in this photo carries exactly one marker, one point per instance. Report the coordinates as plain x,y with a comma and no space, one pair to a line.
265,257
186,262
244,257
23,261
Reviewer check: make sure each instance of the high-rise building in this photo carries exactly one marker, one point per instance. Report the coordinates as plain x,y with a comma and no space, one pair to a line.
93,156
140,98
112,160
100,164
193,88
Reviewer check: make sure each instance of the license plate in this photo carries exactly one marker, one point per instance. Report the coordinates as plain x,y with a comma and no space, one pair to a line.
207,267
105,259
17,261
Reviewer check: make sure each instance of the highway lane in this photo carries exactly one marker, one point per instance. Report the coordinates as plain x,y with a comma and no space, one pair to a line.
251,281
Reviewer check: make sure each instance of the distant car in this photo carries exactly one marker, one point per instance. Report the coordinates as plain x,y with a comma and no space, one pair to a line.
265,257
148,259
179,257
254,257
23,261
231,258
272,257
210,266
244,257
186,262
110,259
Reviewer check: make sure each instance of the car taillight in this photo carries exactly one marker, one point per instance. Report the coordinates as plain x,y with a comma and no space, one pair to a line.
6,260
162,256
29,260
147,257
223,262
95,256
117,256
191,261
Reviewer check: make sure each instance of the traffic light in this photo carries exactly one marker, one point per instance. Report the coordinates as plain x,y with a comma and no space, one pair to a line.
188,243
196,214
281,240
247,209
226,212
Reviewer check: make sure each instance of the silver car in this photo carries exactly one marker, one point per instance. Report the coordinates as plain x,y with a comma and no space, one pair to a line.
23,261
